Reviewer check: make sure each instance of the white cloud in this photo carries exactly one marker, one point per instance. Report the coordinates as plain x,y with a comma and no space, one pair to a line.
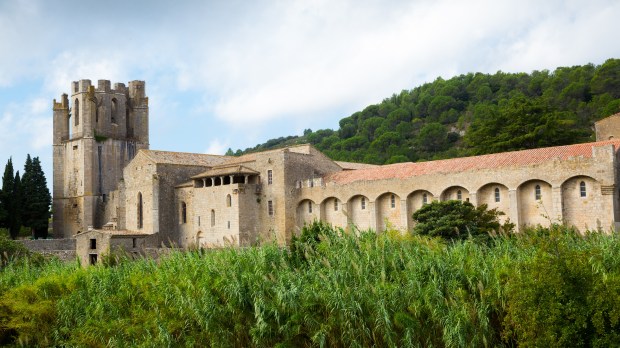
216,147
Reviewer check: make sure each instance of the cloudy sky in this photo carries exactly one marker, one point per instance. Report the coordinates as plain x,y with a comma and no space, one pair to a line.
237,73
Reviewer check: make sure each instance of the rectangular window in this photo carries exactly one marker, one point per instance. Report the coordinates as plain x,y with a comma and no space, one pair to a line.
309,207
199,221
134,242
270,207
335,205
93,259
497,197
93,244
393,202
363,203
269,177
229,225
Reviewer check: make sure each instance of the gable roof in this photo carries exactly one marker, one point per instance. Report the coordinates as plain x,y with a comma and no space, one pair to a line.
184,158
354,166
455,165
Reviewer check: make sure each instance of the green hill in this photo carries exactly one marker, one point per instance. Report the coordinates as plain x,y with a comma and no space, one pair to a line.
472,114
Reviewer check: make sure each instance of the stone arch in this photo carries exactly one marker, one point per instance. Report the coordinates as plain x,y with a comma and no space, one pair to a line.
415,201
306,212
495,196
582,203
360,212
458,193
201,239
535,202
333,212
388,211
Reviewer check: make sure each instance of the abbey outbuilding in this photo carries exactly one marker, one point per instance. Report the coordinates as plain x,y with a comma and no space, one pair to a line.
111,191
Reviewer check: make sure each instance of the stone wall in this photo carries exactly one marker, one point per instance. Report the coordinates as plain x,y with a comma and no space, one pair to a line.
64,249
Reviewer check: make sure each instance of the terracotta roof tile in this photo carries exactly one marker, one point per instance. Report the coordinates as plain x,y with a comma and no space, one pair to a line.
455,165
353,165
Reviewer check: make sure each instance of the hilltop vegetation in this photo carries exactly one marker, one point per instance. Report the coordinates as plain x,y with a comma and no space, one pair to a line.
472,114
541,288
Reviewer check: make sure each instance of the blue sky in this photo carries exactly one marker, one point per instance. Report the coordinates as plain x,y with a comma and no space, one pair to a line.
237,73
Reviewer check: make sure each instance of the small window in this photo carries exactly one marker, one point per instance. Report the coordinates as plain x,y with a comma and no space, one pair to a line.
363,203
212,217
93,244
140,210
198,220
114,111
537,194
497,197
77,112
311,182
183,213
270,207
93,259
134,242
424,198
459,195
229,225
582,189
335,204
228,201
393,201
310,207
269,177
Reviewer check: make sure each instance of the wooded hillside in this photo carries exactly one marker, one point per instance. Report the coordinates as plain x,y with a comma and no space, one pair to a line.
472,114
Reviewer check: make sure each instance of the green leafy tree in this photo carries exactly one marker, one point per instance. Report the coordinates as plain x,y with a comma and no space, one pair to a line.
457,220
37,198
433,137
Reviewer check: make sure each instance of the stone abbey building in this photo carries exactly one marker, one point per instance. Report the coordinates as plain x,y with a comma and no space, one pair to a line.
111,191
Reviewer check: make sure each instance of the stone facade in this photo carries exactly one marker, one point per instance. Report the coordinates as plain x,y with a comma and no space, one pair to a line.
111,191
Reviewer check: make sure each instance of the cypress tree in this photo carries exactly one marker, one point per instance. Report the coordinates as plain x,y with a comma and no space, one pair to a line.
18,198
7,198
36,198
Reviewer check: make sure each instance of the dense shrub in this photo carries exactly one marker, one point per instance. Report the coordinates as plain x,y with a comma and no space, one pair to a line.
544,287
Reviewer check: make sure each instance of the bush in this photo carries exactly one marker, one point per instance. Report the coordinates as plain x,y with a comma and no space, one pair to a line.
457,220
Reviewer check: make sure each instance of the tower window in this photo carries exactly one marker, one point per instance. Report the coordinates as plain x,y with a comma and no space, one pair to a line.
212,217
582,189
183,213
76,106
228,201
114,111
335,204
93,244
497,198
393,201
270,207
310,207
363,203
269,177
537,194
459,195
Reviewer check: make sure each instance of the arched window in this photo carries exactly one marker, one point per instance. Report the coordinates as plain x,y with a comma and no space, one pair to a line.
114,111
393,201
310,207
497,198
582,189
183,213
459,195
424,198
76,106
140,210
335,204
212,217
537,194
363,203
228,201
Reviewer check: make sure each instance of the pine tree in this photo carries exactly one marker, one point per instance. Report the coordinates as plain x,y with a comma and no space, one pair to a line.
7,199
36,198
18,198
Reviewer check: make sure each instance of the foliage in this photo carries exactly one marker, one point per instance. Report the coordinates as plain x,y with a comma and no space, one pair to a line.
457,220
543,287
37,198
10,200
493,113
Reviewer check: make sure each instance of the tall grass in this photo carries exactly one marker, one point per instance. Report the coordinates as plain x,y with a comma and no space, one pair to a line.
547,287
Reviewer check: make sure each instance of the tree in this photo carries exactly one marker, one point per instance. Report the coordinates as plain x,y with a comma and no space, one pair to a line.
457,220
37,198
9,206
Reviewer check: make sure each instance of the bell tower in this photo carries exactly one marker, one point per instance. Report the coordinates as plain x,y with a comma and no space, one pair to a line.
97,131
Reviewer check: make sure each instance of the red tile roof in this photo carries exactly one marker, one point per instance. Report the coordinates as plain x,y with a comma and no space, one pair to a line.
455,165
